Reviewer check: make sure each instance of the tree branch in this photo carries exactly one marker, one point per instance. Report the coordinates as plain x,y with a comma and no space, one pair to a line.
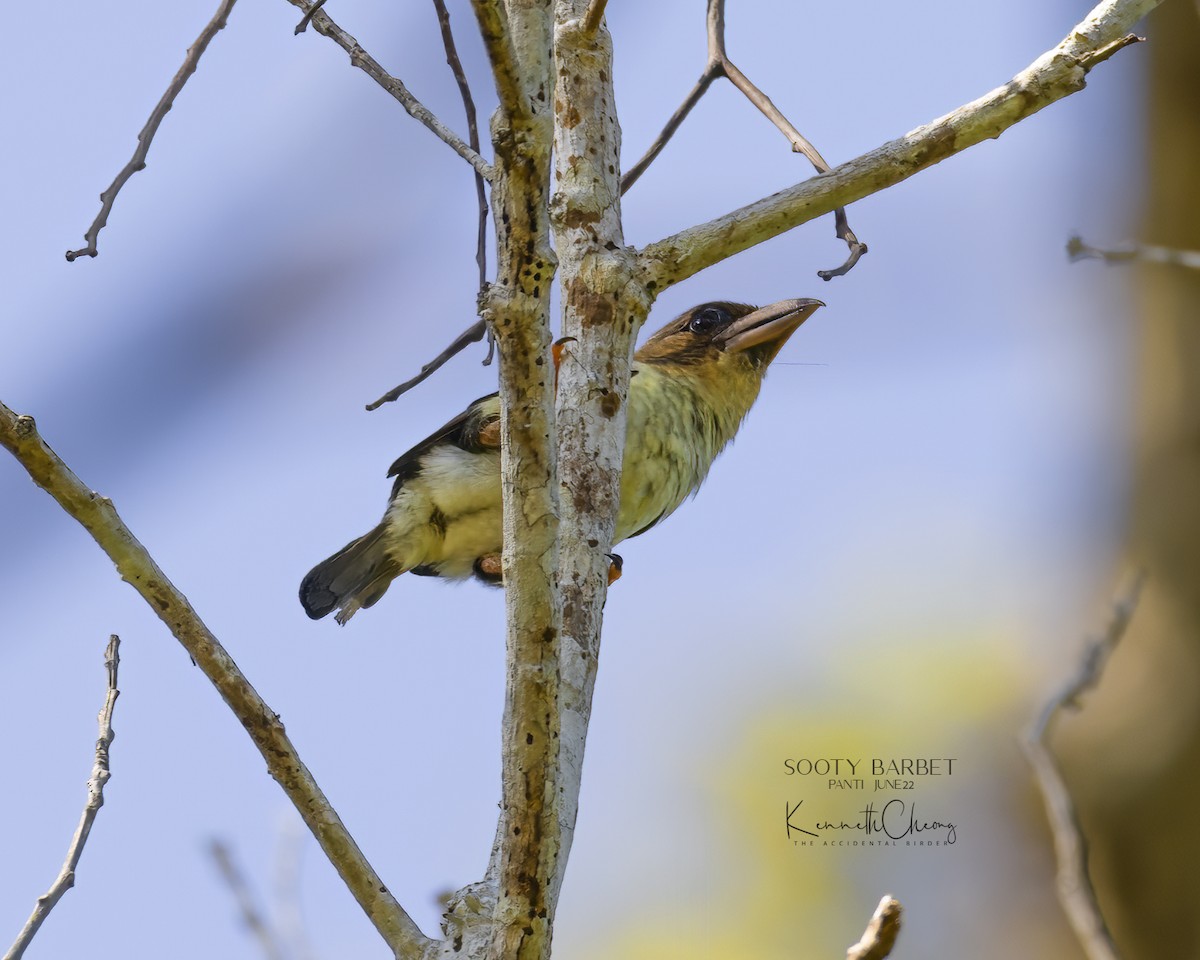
880,936
1141,252
719,65
95,800
473,334
477,330
464,89
137,568
1075,891
1056,74
138,161
602,312
516,307
324,25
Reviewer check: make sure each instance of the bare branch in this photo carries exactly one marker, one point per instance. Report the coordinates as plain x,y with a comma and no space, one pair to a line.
1075,891
464,89
251,916
95,800
476,331
719,65
137,568
1056,74
880,936
473,334
138,161
324,25
631,176
1141,252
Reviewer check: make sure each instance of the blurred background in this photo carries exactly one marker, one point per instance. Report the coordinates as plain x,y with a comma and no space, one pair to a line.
928,510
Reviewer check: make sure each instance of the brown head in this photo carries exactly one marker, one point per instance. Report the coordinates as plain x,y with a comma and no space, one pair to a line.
727,338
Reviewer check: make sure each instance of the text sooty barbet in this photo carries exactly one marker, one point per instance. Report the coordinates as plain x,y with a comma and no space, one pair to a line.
693,383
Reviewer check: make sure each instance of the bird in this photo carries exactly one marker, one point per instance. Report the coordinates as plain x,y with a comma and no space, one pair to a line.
692,384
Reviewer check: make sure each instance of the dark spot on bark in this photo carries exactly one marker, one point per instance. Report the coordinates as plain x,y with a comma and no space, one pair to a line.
458,943
610,403
548,635
580,218
516,831
592,542
939,146
529,738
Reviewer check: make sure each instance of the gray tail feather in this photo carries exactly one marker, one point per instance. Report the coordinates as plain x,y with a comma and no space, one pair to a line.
354,577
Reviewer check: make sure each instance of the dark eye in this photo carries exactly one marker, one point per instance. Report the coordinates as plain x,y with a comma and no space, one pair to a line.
709,319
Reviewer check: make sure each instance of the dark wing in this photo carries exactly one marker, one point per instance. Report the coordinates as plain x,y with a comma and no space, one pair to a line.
462,432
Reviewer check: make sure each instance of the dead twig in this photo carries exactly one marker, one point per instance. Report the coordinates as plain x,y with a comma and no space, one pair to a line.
95,800
324,25
138,161
251,916
464,89
1075,891
880,936
1141,252
473,334
719,65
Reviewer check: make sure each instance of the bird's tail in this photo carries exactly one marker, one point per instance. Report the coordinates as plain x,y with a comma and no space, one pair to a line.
354,577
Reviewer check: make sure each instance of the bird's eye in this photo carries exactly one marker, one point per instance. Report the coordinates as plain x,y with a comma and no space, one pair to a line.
708,319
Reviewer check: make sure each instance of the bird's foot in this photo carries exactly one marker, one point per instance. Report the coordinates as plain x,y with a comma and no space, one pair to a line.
489,569
489,434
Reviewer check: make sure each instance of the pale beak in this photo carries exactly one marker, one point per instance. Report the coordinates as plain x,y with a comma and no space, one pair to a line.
774,322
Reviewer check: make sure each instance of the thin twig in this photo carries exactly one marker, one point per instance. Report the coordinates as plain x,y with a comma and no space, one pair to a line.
880,936
464,89
95,800
630,177
137,568
1142,252
719,65
1075,891
138,161
473,334
359,57
251,916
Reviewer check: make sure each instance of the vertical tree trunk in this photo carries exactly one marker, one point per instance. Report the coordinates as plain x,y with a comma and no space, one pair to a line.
1146,839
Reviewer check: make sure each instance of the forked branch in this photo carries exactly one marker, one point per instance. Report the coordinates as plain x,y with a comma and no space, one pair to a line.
1054,75
719,65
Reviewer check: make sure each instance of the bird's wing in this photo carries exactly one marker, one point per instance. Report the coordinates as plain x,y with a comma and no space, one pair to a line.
463,432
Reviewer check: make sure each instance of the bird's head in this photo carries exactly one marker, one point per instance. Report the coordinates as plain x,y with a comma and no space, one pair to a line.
726,341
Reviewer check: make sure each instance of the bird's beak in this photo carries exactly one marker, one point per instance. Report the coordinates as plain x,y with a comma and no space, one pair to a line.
774,322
